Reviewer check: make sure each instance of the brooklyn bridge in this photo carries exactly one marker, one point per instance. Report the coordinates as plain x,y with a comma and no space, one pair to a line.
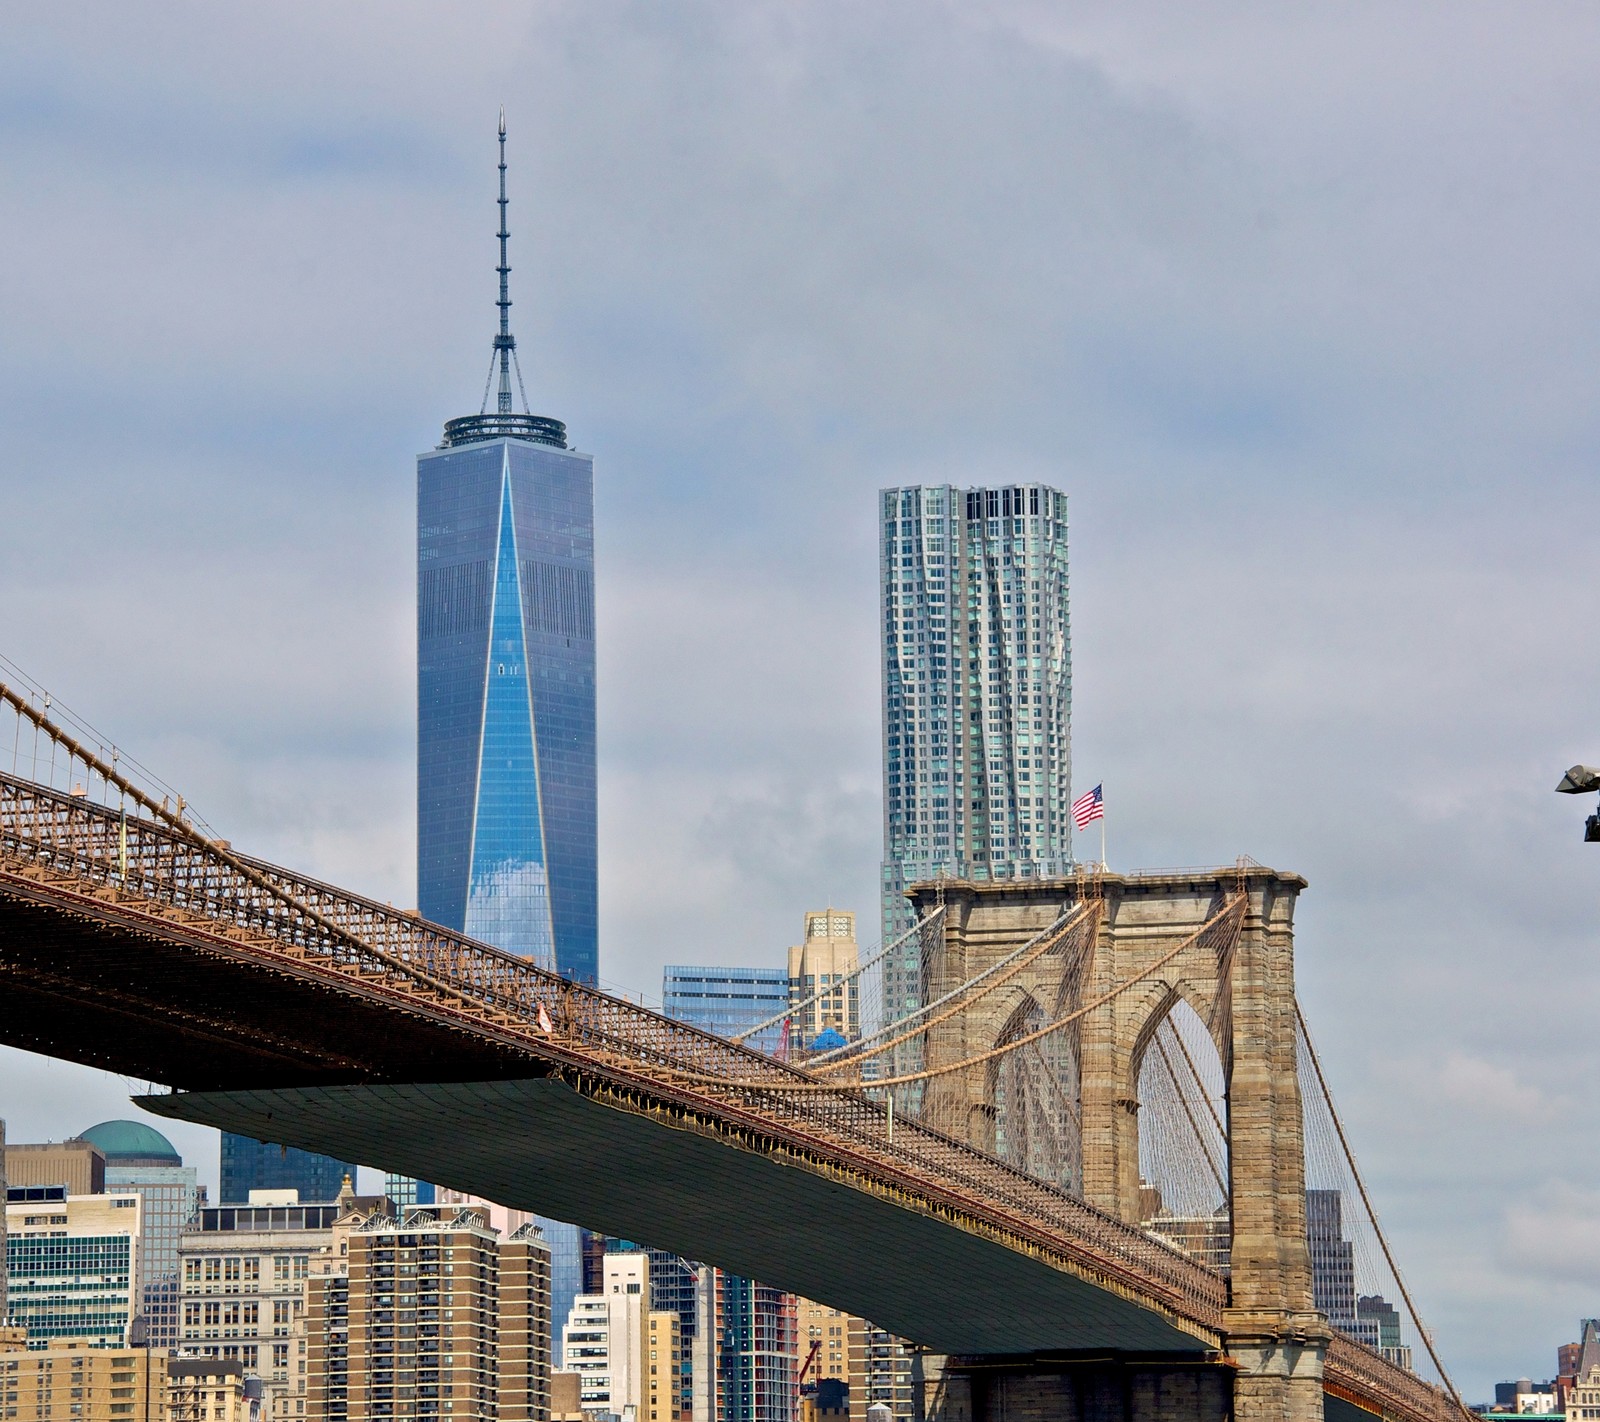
977,1175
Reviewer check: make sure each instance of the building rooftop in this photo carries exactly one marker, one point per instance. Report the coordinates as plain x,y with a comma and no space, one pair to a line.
132,1143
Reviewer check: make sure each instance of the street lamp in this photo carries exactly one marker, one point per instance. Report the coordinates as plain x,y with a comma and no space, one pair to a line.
1582,780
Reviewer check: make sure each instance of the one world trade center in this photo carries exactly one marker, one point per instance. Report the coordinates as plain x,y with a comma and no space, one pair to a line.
506,833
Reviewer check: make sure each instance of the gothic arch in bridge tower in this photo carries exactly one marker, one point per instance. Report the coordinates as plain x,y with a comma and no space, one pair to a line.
1180,1087
1031,1095
1221,943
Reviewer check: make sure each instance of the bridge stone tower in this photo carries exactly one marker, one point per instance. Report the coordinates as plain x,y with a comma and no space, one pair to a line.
1238,976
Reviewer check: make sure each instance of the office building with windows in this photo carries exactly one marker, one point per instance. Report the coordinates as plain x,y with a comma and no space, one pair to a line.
977,694
77,1165
78,1380
728,1001
606,1338
507,847
73,1264
506,829
249,1165
824,987
242,1272
140,1160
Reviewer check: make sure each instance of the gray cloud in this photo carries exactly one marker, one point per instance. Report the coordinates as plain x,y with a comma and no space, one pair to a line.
1299,306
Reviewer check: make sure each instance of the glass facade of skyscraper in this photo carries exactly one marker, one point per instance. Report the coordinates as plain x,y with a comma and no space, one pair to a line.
728,1001
73,1265
257,1165
506,832
977,694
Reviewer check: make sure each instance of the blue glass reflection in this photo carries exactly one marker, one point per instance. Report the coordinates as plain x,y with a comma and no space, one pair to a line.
508,893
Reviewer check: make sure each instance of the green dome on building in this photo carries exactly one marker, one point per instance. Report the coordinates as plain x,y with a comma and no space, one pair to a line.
132,1142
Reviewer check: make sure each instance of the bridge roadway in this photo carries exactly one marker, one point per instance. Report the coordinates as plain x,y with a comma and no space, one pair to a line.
288,1010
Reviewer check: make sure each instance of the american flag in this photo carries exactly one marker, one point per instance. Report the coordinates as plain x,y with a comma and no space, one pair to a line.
1088,808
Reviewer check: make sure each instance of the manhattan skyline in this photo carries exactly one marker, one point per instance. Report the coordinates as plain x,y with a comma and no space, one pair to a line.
1306,337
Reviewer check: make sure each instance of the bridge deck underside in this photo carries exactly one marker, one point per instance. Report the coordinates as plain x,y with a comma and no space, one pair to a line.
541,1145
174,1003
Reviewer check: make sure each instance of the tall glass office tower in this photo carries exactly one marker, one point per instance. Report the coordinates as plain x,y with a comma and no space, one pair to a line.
506,845
977,695
506,828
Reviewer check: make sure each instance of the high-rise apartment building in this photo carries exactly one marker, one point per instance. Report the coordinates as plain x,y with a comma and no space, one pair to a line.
880,1373
728,1001
73,1262
873,1363
977,694
249,1165
506,830
428,1315
562,1241
140,1160
606,1338
665,1401
824,988
751,1355
674,1284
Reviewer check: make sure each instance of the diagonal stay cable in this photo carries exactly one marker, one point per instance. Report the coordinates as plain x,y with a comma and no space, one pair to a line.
795,1009
1235,909
960,998
1188,1112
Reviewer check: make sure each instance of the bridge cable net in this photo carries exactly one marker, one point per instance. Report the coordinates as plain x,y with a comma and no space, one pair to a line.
158,865
212,881
1183,1142
1354,1266
854,982
162,857
1230,916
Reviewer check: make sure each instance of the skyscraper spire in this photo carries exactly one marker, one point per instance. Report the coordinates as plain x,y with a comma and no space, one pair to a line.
505,343
505,422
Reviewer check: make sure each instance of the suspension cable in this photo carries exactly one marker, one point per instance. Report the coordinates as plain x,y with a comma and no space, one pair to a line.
816,997
1234,908
1372,1214
962,997
853,1050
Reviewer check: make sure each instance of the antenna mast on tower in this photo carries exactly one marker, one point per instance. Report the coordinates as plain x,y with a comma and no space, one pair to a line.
505,343
505,423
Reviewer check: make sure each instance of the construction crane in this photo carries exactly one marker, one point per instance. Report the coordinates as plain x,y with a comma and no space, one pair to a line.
805,1367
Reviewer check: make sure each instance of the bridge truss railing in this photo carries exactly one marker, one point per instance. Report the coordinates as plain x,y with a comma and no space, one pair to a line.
170,869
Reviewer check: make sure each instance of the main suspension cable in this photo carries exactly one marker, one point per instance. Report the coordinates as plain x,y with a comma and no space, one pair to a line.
1235,909
960,998
1372,1214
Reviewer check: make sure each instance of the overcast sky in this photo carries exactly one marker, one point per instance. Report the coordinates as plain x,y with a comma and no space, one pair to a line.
1300,305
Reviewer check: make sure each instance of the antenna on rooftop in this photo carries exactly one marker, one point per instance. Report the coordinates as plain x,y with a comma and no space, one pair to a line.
505,344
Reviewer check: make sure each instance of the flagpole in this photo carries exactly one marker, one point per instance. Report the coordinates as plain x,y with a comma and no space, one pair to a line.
1103,865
